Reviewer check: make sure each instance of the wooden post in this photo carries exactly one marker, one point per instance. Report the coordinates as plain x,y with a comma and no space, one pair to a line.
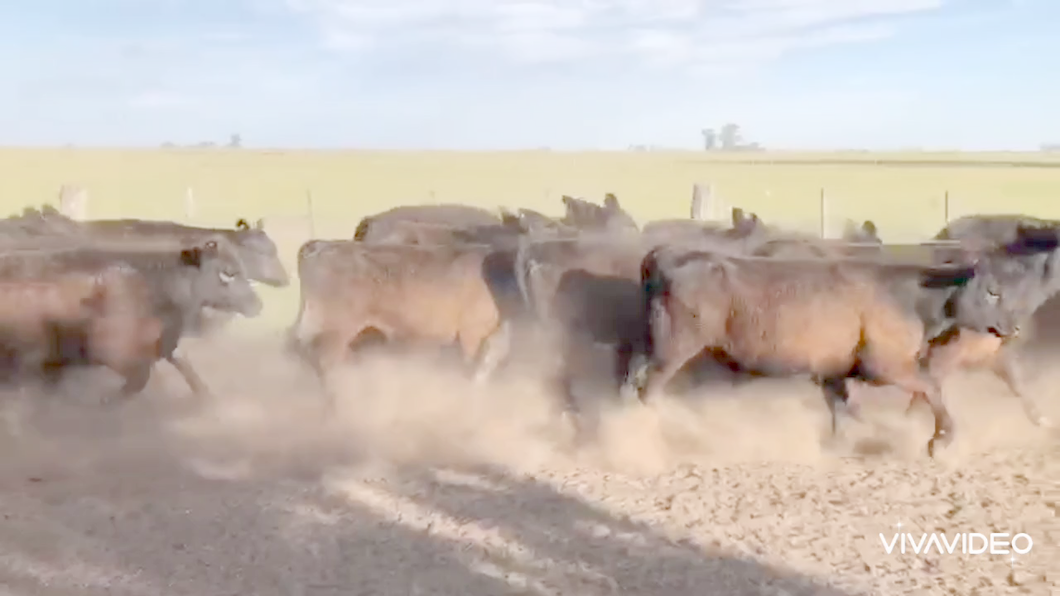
946,207
309,213
823,212
696,210
189,204
73,202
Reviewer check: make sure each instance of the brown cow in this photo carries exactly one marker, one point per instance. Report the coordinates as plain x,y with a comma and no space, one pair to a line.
829,319
431,295
584,215
380,225
94,317
180,282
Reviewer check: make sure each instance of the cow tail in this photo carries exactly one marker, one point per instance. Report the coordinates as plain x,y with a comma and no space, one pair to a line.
654,288
523,270
295,333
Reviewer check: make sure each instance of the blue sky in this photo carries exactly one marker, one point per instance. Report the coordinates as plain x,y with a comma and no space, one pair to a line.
499,74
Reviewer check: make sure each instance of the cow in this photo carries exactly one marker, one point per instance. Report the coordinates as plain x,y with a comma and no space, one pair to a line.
94,316
380,225
745,232
253,245
433,234
583,292
432,295
832,320
584,215
866,233
535,222
992,230
1024,282
180,283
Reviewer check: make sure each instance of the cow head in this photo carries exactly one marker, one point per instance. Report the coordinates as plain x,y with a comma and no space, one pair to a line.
865,233
746,224
1011,282
219,279
259,254
616,217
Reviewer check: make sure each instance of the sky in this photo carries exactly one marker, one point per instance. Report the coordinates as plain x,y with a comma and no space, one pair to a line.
520,74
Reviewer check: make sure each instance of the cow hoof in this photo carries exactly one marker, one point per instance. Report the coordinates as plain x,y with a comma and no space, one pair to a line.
938,444
629,394
852,411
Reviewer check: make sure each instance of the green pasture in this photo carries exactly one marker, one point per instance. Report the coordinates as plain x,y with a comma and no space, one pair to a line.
324,194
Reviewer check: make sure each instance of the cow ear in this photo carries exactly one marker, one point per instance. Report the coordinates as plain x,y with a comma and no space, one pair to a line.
611,201
242,224
191,257
260,224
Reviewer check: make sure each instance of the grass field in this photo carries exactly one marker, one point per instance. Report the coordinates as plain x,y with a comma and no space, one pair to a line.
903,193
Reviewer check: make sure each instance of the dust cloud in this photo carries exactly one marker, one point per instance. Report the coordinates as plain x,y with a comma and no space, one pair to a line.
420,482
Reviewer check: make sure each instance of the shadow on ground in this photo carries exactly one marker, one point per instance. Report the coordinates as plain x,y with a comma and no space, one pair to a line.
141,523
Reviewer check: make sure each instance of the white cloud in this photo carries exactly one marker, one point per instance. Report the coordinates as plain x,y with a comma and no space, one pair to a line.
653,32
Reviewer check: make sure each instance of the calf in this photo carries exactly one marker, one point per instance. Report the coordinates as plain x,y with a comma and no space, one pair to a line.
96,317
993,230
380,225
584,292
434,295
253,245
583,215
180,283
831,320
1019,284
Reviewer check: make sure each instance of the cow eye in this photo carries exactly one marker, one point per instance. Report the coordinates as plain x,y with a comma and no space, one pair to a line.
226,277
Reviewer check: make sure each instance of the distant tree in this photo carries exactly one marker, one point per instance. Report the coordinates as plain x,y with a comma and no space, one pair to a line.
710,139
730,136
1050,148
235,141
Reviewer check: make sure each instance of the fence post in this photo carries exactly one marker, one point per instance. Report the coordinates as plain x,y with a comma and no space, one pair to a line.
698,201
946,206
73,202
823,211
189,204
310,214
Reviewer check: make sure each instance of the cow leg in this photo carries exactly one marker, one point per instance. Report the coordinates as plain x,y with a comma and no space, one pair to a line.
1006,368
326,352
837,396
192,378
630,370
494,350
136,378
659,374
51,376
927,389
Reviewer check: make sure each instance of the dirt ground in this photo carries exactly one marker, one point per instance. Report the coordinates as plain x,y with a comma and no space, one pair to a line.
421,484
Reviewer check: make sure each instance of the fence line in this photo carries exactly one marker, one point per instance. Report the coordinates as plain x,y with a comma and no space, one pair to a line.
706,205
